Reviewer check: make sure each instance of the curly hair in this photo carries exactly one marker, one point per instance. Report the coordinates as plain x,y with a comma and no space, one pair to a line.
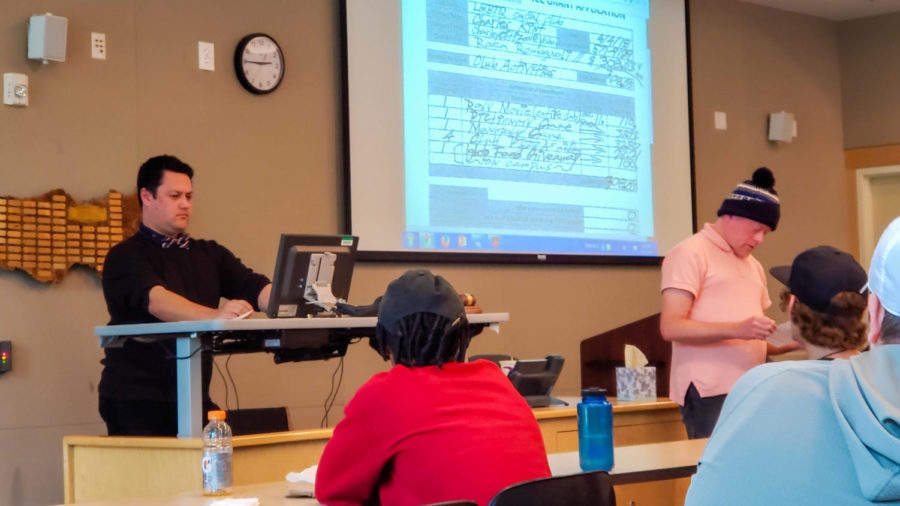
422,339
841,328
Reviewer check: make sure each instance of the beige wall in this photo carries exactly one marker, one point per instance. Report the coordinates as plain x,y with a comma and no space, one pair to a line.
749,61
267,165
870,76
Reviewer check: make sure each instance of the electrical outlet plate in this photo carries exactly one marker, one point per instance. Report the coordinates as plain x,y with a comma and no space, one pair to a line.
98,46
15,89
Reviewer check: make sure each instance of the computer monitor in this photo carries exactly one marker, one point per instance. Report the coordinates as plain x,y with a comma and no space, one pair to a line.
312,273
535,378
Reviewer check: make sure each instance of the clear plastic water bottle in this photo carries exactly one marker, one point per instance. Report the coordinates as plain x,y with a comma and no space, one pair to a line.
595,426
217,450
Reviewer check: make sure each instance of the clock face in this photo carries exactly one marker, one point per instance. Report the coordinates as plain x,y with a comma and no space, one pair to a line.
259,63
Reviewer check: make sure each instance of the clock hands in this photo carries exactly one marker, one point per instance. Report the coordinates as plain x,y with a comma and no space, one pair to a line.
258,62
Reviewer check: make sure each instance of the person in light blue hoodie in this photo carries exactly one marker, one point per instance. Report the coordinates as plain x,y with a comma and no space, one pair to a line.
815,432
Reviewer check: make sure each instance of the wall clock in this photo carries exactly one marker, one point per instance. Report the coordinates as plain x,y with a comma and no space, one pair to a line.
259,63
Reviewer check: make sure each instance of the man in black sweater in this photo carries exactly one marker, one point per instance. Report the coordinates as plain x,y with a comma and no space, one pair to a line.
161,274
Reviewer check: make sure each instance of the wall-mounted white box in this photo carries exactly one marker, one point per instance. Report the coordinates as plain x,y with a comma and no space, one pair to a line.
47,37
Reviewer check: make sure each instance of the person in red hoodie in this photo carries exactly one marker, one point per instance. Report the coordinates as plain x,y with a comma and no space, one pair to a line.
433,428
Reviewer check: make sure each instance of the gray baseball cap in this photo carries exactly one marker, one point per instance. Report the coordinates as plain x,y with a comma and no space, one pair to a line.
418,291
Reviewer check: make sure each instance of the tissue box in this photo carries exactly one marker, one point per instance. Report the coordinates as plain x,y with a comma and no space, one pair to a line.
635,383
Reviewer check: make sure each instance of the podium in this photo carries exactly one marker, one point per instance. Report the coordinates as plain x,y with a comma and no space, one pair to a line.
289,338
601,354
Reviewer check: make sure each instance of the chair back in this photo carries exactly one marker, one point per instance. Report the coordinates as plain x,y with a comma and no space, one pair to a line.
257,420
589,488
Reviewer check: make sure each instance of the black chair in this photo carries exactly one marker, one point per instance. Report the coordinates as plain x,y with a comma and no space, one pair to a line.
590,488
257,420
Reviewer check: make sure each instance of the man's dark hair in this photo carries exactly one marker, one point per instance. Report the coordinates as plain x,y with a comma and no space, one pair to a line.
151,172
422,339
890,329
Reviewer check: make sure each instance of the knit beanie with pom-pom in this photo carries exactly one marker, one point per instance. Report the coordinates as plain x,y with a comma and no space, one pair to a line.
755,199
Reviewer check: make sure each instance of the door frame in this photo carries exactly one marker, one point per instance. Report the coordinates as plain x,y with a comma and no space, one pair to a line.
864,205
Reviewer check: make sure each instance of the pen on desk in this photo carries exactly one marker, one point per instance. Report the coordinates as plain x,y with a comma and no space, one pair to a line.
244,315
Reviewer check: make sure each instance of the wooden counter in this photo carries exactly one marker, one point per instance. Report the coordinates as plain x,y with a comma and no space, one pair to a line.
634,464
101,468
634,423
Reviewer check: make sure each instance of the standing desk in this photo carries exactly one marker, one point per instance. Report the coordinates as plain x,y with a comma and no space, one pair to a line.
246,335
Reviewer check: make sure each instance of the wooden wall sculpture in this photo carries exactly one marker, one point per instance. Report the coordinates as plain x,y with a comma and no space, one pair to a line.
46,235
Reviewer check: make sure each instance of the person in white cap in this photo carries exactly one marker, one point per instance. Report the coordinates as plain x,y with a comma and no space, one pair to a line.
816,432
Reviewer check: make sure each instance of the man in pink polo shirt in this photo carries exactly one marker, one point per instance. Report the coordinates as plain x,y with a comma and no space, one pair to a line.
714,294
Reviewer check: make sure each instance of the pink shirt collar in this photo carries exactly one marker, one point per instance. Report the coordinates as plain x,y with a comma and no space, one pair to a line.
716,238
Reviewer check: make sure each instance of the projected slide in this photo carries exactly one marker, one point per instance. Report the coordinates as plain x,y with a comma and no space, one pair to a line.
527,126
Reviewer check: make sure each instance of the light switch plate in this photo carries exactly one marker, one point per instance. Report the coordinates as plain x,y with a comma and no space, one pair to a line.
15,89
206,56
721,120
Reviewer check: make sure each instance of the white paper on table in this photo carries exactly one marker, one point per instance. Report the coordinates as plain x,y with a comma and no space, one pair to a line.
236,501
307,475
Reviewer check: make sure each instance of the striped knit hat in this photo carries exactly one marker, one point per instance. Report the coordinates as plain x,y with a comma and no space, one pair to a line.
755,199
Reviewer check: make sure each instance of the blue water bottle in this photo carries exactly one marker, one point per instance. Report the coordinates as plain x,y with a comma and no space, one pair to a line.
595,425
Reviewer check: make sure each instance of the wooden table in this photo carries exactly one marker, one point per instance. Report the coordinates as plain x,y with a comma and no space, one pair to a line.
641,463
269,494
100,468
634,465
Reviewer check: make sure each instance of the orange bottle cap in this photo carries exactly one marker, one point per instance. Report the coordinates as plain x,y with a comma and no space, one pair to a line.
216,414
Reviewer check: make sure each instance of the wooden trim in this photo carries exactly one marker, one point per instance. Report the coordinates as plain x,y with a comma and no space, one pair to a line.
874,156
132,442
618,406
282,437
68,473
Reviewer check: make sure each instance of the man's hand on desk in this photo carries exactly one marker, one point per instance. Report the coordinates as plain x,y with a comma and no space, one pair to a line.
233,309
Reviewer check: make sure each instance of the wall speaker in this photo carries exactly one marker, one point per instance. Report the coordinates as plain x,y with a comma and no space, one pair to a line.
782,127
47,37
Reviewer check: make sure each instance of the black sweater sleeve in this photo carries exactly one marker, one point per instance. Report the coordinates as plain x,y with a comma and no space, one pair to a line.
238,280
127,279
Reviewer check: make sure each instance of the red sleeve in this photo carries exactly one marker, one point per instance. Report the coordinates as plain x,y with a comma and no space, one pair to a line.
358,451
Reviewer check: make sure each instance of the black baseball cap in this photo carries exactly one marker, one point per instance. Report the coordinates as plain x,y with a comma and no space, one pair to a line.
820,273
418,291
